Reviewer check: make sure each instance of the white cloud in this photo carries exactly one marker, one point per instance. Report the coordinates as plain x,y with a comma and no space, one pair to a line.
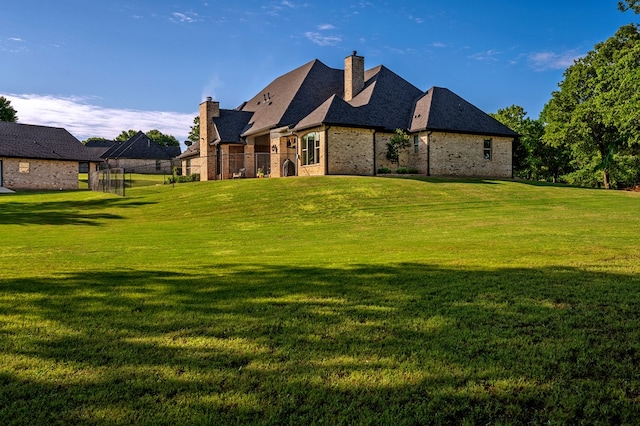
84,120
488,56
416,19
438,44
17,39
188,17
326,27
542,61
323,40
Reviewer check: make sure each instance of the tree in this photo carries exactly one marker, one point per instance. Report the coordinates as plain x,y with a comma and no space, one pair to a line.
194,133
155,135
125,135
84,142
629,5
594,114
532,158
162,139
7,112
399,141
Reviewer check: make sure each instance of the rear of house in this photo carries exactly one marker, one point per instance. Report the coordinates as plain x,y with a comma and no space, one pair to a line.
42,158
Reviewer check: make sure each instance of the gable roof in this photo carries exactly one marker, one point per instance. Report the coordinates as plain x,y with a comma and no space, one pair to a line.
292,96
43,142
141,147
441,109
313,94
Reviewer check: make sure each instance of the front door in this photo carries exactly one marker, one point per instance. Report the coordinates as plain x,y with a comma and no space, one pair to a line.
0,173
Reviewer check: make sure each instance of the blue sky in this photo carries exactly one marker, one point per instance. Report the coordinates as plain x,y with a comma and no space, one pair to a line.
101,66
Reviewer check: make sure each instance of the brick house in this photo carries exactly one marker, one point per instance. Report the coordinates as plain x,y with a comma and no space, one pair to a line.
42,158
138,154
316,120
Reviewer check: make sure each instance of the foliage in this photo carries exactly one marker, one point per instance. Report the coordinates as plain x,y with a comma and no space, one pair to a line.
398,142
625,5
384,170
7,112
594,114
94,139
155,135
403,301
194,132
125,135
532,158
162,139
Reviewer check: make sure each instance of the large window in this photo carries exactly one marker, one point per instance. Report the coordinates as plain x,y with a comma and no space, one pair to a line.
311,149
487,149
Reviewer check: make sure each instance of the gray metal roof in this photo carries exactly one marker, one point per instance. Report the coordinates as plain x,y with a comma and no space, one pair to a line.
43,142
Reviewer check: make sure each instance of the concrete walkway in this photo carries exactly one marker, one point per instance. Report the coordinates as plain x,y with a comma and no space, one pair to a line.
4,190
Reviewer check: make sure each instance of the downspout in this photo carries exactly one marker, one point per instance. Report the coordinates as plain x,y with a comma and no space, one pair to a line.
375,162
326,150
429,153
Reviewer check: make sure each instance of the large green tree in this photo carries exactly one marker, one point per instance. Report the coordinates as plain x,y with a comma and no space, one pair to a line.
7,112
532,158
595,112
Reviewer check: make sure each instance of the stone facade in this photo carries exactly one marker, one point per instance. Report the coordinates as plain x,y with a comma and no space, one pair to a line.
350,151
34,174
143,166
208,110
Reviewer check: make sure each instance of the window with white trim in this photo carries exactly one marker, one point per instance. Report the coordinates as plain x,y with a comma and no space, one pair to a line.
311,149
416,144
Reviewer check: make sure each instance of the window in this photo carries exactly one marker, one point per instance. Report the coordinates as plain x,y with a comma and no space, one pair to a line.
487,149
416,144
311,149
158,165
24,167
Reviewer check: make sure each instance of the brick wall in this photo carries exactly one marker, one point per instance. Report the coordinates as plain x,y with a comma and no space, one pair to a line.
31,174
350,151
454,154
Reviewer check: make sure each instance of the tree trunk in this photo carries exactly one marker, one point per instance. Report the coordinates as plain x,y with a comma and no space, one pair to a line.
605,179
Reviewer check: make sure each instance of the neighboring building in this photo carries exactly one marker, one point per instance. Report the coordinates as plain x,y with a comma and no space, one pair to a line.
190,160
42,158
139,154
316,120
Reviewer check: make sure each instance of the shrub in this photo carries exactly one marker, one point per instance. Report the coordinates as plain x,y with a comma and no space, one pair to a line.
384,170
402,170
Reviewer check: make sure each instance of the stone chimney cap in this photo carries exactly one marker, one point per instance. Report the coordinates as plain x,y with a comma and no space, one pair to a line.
209,98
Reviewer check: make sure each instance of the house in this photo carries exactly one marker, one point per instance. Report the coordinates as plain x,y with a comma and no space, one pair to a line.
139,154
42,158
316,120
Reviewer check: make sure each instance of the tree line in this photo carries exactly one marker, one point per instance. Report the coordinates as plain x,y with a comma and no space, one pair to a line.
588,133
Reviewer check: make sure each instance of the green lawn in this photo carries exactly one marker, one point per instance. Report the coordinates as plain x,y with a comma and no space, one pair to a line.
332,300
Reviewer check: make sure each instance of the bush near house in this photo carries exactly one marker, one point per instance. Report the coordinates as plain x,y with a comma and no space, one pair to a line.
321,300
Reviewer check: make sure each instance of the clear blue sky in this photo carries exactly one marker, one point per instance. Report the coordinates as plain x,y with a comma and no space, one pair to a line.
97,67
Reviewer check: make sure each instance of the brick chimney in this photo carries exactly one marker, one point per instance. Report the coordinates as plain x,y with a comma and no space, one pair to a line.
353,75
209,110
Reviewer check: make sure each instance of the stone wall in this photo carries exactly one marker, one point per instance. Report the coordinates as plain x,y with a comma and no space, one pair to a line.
32,174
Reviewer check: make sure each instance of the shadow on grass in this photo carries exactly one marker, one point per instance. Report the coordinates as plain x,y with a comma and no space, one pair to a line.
76,212
399,344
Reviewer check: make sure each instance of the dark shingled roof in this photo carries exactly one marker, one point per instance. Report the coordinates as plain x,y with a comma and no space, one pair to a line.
231,124
292,96
191,151
141,147
50,143
441,109
313,94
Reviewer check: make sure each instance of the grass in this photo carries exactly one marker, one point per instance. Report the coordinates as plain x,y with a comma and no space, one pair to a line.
321,300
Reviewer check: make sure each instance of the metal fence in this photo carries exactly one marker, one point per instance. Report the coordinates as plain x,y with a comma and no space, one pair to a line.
110,181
